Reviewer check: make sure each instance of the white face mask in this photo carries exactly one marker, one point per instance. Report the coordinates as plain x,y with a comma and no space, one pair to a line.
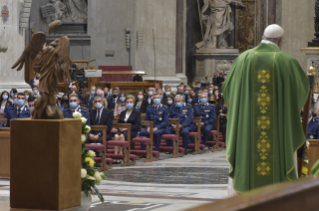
140,97
167,93
150,93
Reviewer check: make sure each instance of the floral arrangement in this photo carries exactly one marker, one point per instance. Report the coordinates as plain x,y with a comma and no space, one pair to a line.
304,171
90,177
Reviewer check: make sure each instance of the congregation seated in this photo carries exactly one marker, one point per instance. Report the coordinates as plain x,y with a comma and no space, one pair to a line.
64,103
190,100
74,106
35,90
170,104
100,115
88,99
167,92
212,99
107,93
129,115
184,113
158,114
120,105
31,103
27,94
112,101
197,87
14,103
19,111
207,113
4,101
141,104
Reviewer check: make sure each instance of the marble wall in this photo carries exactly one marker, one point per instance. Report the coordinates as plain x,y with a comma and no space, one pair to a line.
15,38
297,20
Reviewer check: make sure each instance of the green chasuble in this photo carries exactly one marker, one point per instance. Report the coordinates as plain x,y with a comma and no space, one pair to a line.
265,92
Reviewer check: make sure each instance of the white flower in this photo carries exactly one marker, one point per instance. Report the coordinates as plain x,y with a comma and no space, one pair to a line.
84,120
83,139
87,129
83,173
77,115
97,176
90,177
102,174
307,144
91,154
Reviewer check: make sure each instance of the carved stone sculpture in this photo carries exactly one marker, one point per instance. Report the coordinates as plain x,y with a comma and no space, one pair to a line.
55,10
77,9
216,16
52,63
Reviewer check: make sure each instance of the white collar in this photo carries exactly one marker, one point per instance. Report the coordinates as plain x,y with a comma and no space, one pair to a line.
269,42
309,119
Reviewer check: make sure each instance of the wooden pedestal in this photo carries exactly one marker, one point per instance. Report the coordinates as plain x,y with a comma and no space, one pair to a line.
45,164
312,152
4,153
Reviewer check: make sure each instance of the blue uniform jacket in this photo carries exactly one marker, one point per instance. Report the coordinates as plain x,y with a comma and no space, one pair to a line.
160,117
13,114
68,113
313,129
208,114
184,114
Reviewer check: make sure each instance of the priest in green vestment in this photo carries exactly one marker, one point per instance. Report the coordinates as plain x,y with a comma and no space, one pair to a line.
265,92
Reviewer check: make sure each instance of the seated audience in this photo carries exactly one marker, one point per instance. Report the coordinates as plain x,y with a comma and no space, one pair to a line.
157,113
64,103
180,90
132,116
74,103
212,99
88,99
190,100
184,113
120,105
100,116
107,93
170,104
141,104
112,101
31,104
161,93
20,111
4,102
207,113
13,104
198,86
168,92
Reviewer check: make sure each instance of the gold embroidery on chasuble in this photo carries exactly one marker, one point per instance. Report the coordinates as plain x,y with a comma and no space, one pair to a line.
263,122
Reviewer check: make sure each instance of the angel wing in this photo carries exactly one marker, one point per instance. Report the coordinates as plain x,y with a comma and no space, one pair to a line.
33,48
54,25
64,58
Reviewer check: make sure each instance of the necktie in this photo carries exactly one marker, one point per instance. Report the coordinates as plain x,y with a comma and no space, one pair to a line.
202,107
19,111
98,117
156,108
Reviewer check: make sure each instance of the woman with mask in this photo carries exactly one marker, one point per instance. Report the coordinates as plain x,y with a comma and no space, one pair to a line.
132,116
4,101
27,94
64,103
212,99
170,104
190,100
13,91
120,105
141,104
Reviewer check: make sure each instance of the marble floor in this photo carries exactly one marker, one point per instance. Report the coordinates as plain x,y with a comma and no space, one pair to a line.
168,184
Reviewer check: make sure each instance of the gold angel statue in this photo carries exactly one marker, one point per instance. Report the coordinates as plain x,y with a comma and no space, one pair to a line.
52,63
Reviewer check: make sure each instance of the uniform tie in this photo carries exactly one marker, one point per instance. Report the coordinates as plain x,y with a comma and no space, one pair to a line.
19,111
156,107
98,119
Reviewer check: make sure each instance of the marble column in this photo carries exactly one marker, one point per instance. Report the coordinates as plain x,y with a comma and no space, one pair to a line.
14,36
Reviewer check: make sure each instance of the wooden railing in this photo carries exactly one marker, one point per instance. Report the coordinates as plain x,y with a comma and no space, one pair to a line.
298,195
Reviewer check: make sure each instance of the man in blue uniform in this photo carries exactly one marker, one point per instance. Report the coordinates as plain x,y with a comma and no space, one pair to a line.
75,106
184,113
158,114
208,116
19,111
74,89
313,125
13,105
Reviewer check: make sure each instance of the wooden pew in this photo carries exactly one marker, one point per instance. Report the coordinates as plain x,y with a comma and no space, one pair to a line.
103,165
197,139
5,152
3,120
176,153
313,152
128,87
297,195
1,115
216,137
126,150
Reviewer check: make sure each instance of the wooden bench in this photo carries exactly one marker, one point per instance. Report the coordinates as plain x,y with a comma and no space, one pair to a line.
197,137
175,139
297,195
5,152
103,164
216,137
3,120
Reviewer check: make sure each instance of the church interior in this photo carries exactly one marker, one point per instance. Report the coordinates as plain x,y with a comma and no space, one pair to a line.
197,105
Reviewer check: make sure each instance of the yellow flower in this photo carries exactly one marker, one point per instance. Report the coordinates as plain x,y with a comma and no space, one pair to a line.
90,161
304,170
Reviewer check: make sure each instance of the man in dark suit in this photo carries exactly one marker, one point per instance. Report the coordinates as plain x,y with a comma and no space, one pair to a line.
112,101
88,99
100,116
184,113
19,111
158,113
75,107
